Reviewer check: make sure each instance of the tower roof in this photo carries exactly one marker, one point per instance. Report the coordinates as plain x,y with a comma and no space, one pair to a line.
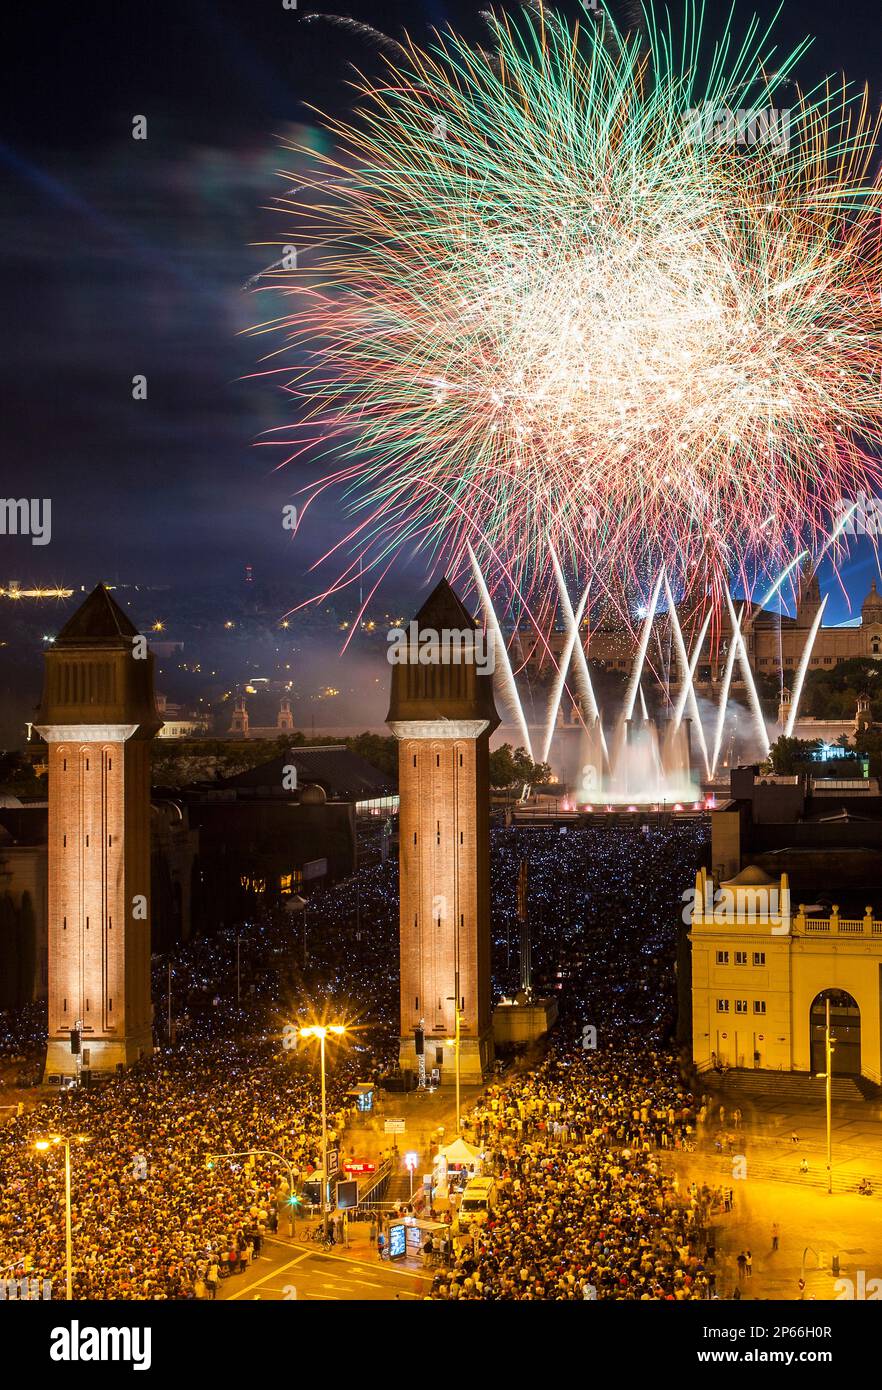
751,876
99,621
444,609
455,683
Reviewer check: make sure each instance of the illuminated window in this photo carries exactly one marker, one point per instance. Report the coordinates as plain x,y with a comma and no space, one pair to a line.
285,883
256,885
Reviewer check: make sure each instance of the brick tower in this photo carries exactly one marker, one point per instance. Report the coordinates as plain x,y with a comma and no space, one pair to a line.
98,715
442,712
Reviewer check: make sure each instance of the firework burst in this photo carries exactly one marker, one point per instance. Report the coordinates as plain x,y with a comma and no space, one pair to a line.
543,306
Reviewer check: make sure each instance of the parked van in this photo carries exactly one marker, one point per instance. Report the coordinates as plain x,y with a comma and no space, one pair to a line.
478,1200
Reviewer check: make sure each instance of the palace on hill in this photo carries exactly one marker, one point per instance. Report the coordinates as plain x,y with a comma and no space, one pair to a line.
773,641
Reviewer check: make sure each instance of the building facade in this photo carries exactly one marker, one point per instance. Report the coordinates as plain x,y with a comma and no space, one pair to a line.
763,970
443,714
241,726
98,715
773,641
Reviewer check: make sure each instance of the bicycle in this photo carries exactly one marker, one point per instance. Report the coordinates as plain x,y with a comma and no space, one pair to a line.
321,1237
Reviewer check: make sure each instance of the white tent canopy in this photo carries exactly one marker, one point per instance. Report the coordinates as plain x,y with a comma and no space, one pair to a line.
459,1152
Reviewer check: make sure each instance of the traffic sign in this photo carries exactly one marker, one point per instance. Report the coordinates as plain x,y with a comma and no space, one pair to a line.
394,1126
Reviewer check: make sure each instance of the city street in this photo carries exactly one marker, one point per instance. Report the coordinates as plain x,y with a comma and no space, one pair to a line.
288,1270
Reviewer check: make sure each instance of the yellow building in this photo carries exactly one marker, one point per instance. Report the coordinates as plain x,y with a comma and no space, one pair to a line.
762,970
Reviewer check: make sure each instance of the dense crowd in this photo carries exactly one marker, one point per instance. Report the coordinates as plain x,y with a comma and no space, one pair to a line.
150,1218
151,1211
585,1204
586,1209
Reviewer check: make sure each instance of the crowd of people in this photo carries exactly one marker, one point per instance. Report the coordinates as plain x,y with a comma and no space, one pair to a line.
585,1203
586,1208
155,1202
151,1218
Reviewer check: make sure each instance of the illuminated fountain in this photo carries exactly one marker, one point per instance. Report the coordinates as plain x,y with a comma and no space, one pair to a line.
644,758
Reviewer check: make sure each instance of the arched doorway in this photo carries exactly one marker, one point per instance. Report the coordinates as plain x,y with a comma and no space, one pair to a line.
845,1026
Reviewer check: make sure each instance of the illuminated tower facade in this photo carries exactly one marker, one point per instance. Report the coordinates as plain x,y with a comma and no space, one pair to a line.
98,715
442,712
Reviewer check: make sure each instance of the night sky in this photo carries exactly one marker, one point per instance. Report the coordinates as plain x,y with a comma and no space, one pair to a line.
125,257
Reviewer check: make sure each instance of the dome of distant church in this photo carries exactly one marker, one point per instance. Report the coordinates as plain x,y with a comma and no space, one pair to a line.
872,601
313,795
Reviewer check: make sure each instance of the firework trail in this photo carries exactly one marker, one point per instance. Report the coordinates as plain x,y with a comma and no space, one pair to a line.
540,299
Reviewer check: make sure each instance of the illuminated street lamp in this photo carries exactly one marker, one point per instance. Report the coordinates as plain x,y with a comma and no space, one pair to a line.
321,1031
410,1162
43,1145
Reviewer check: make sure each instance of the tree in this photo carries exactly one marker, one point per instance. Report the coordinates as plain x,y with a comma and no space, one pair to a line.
380,750
513,767
832,692
869,741
790,755
768,689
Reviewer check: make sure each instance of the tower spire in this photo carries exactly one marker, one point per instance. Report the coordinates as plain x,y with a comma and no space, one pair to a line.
442,713
98,715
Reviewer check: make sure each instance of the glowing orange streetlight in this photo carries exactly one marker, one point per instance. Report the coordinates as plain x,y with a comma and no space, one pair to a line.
321,1031
43,1145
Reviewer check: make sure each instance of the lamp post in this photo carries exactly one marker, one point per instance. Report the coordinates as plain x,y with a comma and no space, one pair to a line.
828,1058
321,1031
829,1048
43,1145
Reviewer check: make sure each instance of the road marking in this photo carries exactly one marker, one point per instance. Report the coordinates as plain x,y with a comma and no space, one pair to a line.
374,1266
266,1278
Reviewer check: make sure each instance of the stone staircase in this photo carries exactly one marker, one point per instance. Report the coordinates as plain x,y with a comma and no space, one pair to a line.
398,1190
788,1086
783,1166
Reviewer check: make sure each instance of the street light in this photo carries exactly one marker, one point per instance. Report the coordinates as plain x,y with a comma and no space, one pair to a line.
43,1145
829,1049
321,1031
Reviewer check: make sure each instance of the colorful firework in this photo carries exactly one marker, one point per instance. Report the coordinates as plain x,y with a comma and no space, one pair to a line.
556,298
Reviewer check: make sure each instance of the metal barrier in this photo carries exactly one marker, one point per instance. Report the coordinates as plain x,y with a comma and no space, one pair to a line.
371,1200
